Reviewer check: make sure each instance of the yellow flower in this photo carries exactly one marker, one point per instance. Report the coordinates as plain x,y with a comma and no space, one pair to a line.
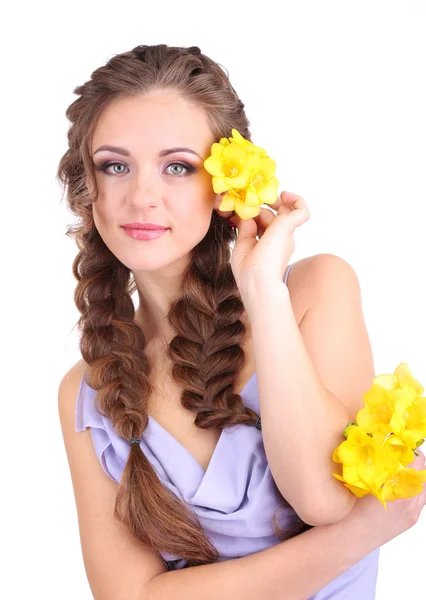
245,172
409,418
233,200
377,412
402,452
230,166
367,458
263,185
382,441
401,378
352,481
405,483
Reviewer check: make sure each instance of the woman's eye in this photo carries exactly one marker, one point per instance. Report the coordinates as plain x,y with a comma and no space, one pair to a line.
181,169
106,166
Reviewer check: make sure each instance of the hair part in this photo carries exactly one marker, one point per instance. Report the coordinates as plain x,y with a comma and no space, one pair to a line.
206,351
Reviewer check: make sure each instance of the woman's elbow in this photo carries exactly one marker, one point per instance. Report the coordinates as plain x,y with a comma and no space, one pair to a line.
328,513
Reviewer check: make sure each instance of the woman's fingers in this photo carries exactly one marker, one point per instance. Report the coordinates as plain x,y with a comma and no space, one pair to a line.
263,220
285,204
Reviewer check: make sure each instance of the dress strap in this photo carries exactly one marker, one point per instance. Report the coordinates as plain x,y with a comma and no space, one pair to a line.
286,273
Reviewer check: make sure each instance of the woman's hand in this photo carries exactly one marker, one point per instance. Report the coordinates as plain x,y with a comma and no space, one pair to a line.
269,256
381,525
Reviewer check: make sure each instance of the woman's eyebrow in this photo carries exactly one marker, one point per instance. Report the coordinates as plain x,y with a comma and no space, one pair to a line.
178,149
124,152
117,149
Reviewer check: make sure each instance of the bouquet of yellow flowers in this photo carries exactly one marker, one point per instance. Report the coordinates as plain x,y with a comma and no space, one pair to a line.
245,172
383,440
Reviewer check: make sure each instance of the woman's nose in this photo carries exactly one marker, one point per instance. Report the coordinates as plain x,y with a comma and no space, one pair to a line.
145,188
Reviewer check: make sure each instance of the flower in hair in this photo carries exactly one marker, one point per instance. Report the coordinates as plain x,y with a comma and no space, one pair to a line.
245,172
383,440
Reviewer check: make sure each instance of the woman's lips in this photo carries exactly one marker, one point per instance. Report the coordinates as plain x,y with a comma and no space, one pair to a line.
144,234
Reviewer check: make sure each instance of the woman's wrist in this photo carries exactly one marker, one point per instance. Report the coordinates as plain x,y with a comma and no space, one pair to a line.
353,532
256,291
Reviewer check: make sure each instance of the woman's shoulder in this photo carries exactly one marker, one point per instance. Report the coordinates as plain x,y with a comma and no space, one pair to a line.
74,373
309,276
70,393
70,385
78,412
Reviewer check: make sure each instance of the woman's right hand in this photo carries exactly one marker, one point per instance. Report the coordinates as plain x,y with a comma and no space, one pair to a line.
380,524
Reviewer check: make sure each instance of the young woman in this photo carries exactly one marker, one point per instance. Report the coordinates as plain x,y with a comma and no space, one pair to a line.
179,473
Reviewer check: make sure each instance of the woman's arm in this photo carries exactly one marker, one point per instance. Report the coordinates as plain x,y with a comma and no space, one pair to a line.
311,378
291,570
301,566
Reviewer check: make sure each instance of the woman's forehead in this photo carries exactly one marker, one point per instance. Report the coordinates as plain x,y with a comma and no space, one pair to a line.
157,122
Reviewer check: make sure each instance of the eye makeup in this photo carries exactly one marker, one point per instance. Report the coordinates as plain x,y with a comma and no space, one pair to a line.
189,169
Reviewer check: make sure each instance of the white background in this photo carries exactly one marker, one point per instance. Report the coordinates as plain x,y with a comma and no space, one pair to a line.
333,89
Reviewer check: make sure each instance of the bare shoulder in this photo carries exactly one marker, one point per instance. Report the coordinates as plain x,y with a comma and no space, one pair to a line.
74,374
68,391
311,276
77,370
117,564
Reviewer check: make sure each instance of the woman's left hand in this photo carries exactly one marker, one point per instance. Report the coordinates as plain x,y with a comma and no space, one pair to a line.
268,257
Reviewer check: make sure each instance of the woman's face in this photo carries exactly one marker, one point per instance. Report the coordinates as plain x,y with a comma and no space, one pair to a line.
158,177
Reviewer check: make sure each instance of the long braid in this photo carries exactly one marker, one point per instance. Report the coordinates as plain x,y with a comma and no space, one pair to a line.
206,351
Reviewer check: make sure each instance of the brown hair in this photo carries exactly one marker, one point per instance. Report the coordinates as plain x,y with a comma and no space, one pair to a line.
206,317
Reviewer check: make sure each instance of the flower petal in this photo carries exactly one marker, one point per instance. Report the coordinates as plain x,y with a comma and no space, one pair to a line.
406,483
251,198
246,212
269,192
234,152
219,185
367,420
253,161
227,203
350,453
268,167
389,382
214,166
216,150
359,492
239,181
238,137
402,371
335,456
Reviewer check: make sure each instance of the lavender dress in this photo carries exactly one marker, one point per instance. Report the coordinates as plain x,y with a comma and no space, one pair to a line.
234,498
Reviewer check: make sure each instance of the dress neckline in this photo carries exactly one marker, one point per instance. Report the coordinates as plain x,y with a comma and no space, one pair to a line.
153,422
